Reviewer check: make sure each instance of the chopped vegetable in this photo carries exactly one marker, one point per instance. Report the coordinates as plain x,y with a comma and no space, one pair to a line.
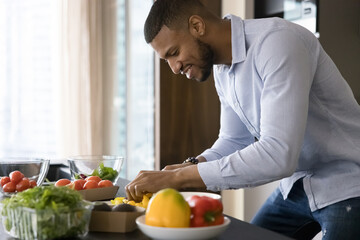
144,203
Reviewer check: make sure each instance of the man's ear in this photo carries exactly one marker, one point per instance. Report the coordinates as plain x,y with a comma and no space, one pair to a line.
196,26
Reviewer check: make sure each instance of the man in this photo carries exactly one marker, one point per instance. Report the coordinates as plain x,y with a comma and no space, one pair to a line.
286,113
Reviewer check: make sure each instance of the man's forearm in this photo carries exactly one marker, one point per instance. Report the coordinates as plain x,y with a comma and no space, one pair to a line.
189,177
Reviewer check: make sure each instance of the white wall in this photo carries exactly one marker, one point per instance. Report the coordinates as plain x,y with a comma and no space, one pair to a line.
241,8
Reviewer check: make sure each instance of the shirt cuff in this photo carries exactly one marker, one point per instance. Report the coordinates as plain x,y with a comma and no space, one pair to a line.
211,175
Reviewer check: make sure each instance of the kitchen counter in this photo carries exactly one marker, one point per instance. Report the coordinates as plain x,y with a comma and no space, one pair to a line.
237,230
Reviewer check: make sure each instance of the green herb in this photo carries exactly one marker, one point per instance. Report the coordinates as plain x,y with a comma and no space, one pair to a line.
105,173
46,212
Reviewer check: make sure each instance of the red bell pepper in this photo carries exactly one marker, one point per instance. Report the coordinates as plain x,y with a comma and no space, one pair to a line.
205,211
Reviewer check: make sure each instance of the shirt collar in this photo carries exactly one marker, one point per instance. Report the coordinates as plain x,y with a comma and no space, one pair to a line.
238,48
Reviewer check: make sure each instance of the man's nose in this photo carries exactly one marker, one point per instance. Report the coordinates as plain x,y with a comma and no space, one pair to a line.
175,66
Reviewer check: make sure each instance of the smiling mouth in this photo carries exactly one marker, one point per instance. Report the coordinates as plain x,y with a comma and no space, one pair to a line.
187,72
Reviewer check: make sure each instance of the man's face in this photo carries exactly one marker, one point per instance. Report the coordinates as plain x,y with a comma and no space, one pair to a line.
184,53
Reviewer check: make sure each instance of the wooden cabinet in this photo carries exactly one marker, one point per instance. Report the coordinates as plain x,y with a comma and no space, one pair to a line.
187,112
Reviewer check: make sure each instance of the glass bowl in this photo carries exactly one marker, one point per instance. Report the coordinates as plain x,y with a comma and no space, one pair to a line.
106,167
33,168
29,223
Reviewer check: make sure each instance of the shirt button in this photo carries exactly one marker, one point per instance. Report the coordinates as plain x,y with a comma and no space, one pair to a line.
236,104
231,75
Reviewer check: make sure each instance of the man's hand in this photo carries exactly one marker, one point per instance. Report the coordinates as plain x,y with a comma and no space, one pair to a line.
153,181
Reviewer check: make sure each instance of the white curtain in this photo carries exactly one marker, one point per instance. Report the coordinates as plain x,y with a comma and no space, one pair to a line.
86,75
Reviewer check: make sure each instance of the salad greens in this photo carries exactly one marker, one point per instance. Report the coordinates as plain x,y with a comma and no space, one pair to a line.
105,173
46,212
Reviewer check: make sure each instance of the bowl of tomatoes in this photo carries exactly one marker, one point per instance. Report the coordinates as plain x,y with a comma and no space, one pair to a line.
19,174
93,188
103,166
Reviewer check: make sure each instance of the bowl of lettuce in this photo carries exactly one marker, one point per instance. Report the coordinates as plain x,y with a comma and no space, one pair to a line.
46,212
105,167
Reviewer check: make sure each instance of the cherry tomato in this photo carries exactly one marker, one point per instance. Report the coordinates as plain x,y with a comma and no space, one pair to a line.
62,182
75,185
105,183
16,176
9,187
33,183
93,178
4,180
23,185
81,182
90,184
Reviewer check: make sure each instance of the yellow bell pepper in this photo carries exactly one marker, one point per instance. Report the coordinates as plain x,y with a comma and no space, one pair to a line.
143,203
168,208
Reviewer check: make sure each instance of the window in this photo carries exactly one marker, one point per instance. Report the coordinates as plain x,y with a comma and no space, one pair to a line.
28,94
135,88
27,120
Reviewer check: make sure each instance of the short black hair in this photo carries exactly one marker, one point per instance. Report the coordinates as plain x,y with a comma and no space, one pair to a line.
171,13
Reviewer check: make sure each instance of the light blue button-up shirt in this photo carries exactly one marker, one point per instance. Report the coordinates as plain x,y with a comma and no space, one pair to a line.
283,89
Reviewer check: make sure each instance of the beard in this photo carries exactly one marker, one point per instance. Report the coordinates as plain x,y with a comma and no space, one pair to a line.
207,57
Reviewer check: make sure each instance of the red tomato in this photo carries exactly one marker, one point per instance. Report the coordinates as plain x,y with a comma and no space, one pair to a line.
16,176
9,187
4,180
81,182
93,178
75,185
105,183
62,182
90,184
23,185
33,183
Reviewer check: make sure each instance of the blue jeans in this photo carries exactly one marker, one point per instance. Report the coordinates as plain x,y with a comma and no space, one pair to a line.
292,217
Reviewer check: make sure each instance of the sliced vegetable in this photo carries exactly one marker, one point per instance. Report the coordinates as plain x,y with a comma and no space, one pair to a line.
144,203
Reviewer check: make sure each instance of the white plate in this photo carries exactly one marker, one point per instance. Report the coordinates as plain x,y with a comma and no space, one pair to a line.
198,233
207,194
